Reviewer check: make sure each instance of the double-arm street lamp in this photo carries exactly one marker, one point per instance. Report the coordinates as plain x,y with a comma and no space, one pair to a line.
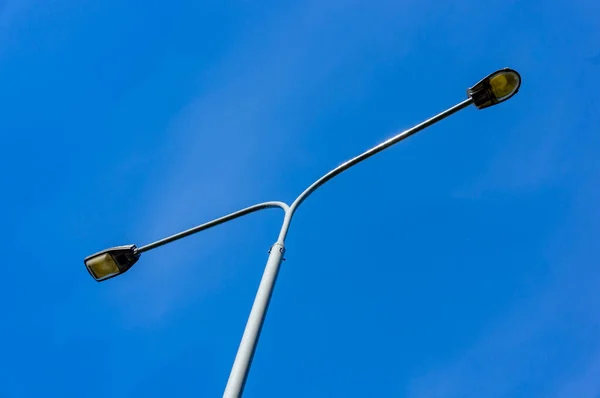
493,89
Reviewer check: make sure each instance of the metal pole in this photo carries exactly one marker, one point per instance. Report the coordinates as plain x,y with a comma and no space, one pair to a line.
243,358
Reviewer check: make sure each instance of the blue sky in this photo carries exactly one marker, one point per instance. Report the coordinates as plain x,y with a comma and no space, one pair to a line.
461,263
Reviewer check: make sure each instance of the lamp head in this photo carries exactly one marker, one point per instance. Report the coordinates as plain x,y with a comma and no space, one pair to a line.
495,88
111,262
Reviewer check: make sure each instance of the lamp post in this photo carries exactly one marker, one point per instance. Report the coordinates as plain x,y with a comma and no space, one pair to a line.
493,89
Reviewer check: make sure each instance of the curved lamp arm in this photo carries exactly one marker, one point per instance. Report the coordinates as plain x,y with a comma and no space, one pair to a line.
213,223
243,358
365,155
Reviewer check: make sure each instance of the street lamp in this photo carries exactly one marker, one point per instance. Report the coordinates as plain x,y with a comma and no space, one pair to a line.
493,89
111,262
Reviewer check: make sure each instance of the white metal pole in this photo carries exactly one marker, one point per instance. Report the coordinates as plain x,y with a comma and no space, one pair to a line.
243,358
